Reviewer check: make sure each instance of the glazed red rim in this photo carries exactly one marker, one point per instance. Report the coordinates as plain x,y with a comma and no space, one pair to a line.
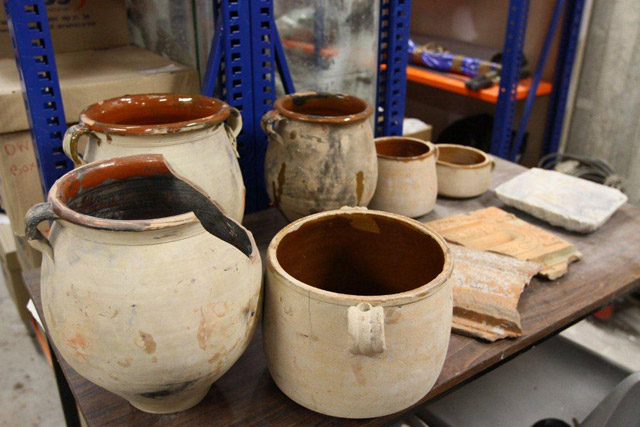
415,150
324,107
479,157
426,289
94,174
154,114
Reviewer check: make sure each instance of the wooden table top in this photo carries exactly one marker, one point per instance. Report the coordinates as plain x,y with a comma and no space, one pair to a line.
246,394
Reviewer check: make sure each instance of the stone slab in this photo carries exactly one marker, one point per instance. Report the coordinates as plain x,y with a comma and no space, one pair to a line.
562,200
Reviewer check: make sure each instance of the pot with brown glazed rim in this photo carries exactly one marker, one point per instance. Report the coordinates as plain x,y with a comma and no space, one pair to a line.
148,289
407,181
357,313
321,154
463,171
196,135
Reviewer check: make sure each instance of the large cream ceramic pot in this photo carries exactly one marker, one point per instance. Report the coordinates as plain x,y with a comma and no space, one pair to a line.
148,289
195,134
357,314
407,181
463,171
321,154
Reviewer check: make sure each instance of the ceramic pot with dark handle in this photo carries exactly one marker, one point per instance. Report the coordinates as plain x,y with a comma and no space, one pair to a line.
149,289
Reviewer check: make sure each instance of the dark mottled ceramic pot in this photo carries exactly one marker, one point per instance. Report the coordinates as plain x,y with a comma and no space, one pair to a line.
321,154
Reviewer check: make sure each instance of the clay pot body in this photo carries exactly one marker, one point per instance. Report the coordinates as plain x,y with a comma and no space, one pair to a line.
463,171
138,297
321,154
358,308
407,181
195,134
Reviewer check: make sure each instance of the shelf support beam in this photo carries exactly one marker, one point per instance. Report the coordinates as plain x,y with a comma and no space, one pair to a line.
33,49
511,62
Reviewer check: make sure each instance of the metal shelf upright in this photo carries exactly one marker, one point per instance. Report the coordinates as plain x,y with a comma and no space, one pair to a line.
393,40
242,64
501,139
33,49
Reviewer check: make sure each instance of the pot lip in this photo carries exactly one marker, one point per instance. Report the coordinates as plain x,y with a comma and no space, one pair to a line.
401,298
223,112
146,164
337,120
483,163
429,145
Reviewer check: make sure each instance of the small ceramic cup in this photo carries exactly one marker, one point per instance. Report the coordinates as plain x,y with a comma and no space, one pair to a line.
407,181
463,171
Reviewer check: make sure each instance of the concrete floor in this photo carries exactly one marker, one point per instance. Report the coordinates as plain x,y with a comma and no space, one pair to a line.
28,392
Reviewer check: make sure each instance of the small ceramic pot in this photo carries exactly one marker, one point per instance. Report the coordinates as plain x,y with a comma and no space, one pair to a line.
357,313
196,135
148,289
463,171
407,181
321,154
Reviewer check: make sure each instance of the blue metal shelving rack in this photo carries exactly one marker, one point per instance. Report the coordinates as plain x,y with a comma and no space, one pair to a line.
246,52
31,39
501,140
393,39
566,56
242,65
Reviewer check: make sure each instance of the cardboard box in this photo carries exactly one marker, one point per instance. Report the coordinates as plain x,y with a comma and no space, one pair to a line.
19,178
78,25
28,257
90,76
416,128
13,274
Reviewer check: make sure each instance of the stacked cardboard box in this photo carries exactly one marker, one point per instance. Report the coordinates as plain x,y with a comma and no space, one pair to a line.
13,273
94,62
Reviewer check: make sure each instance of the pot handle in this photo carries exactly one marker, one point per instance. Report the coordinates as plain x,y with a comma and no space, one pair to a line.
70,142
434,147
35,215
493,163
233,127
269,123
366,327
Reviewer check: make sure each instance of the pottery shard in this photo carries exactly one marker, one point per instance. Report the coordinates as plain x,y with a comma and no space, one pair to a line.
495,230
563,200
486,291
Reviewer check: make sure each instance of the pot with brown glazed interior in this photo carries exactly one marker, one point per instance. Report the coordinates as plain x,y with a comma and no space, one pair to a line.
196,135
407,181
321,154
463,171
148,289
357,314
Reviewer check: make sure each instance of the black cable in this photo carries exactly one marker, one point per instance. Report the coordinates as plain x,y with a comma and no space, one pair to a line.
592,169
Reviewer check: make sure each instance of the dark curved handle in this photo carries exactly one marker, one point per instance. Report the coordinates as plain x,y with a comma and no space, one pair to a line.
269,122
70,142
35,215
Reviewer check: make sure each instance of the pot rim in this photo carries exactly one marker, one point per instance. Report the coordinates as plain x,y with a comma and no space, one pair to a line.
485,162
131,166
401,298
431,148
223,110
337,120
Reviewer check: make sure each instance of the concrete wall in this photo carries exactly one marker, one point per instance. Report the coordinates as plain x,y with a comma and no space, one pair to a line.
606,116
